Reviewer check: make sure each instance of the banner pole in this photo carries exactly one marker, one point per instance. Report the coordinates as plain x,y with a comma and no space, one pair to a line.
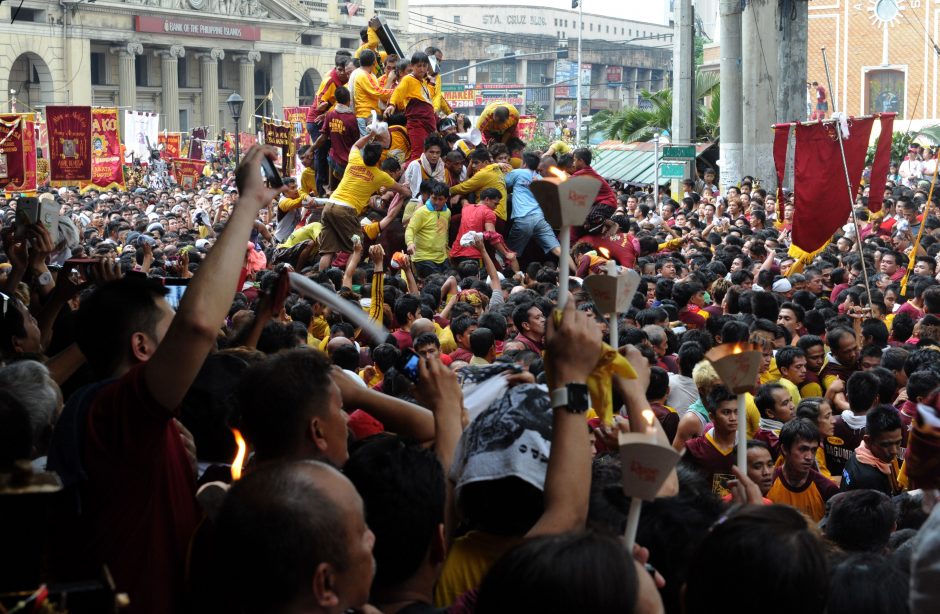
848,185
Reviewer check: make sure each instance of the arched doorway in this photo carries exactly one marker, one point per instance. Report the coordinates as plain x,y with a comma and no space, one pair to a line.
32,80
309,85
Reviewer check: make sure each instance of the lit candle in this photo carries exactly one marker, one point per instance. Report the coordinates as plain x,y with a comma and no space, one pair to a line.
239,461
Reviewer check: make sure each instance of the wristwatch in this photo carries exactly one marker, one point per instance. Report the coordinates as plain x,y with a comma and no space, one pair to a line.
44,279
573,397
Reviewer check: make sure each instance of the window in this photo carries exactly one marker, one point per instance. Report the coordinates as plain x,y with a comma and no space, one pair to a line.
456,18
630,32
348,43
184,120
621,31
556,22
311,40
566,23
591,27
497,72
99,75
884,91
181,79
33,15
607,31
457,77
141,67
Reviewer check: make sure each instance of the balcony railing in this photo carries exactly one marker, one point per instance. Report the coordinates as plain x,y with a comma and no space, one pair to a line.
313,4
388,14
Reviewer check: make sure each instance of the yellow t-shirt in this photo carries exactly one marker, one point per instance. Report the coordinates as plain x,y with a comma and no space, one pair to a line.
400,146
561,148
792,389
310,231
366,93
468,561
411,89
487,177
308,181
360,182
440,104
488,124
753,415
428,231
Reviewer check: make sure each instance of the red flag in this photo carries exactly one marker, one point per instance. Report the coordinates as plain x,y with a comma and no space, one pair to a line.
822,202
107,159
69,144
879,168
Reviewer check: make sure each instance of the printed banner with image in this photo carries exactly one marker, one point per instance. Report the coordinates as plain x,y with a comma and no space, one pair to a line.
69,144
12,152
297,116
246,141
187,172
107,163
280,136
195,144
140,134
171,144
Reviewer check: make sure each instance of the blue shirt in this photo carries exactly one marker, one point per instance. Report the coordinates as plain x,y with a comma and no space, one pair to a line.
523,201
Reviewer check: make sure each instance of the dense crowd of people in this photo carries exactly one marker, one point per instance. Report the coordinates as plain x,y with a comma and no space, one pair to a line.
466,460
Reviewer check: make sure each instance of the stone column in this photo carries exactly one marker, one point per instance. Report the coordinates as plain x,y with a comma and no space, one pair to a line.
127,76
169,78
246,87
209,80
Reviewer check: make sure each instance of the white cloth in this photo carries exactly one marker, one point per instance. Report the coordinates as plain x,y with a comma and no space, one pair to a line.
140,133
682,392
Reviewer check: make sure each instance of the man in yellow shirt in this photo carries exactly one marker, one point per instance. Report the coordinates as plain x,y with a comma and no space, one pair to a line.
367,96
791,361
484,174
351,197
426,235
308,178
498,122
370,42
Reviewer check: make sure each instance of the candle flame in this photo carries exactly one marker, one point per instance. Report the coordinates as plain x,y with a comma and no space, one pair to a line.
239,461
603,251
649,416
737,348
554,170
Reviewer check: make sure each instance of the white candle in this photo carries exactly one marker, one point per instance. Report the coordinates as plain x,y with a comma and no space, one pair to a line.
565,240
614,324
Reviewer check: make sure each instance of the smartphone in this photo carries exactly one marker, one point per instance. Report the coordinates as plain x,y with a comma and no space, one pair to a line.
407,364
270,173
177,288
31,210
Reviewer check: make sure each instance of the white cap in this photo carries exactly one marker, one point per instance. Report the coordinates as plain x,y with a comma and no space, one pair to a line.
782,285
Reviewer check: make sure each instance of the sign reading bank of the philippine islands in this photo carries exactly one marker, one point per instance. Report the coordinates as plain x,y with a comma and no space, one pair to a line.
194,27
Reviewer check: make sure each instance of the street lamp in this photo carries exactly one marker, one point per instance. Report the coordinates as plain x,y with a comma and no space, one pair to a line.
235,103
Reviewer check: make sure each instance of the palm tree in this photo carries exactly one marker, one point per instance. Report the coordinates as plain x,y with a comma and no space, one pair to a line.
639,124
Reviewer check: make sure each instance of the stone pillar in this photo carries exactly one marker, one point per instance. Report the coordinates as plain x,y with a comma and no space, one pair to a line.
277,84
209,80
169,78
246,87
127,76
731,147
759,36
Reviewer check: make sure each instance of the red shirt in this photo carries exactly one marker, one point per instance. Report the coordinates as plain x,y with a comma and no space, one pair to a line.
624,248
403,338
472,218
606,195
343,132
139,503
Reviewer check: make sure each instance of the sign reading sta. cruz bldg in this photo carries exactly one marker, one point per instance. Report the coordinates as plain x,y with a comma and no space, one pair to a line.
194,27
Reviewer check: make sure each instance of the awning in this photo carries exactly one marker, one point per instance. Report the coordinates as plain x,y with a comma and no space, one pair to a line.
631,163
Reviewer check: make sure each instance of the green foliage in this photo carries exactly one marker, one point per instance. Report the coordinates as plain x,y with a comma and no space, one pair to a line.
901,142
639,124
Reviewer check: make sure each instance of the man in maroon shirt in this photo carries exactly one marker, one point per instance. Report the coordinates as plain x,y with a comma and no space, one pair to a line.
530,322
582,166
342,132
137,470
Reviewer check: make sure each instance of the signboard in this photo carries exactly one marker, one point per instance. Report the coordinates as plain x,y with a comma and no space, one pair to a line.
679,151
585,76
672,170
511,93
566,77
614,75
460,96
192,27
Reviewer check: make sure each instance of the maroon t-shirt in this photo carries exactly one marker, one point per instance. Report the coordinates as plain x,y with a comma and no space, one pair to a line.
403,338
343,132
139,503
702,454
606,195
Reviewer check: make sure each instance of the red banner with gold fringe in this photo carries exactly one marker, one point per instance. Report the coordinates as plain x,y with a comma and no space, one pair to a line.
69,144
107,159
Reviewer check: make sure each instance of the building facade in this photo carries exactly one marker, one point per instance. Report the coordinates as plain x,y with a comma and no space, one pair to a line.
509,53
881,57
179,58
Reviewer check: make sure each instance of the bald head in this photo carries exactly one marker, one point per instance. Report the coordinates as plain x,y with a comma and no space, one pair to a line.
421,325
337,342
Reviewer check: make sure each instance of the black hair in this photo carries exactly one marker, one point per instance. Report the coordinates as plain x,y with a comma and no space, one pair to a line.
787,355
372,153
808,408
868,583
716,396
881,419
346,357
757,543
764,399
583,154
108,318
385,355
275,416
366,57
419,57
404,307
797,310
492,193
659,383
894,359
530,161
796,429
690,354
461,324
391,165
862,391
834,336
561,573
342,96
860,521
887,384
402,487
426,339
683,292
481,342
877,330
496,323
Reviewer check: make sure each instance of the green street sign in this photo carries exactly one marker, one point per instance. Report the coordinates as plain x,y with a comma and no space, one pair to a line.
679,151
672,170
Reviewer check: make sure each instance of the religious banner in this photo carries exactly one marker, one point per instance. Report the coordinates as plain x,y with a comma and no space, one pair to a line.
12,152
187,172
29,152
140,134
281,136
69,144
171,142
107,168
42,153
526,127
246,141
195,144
297,116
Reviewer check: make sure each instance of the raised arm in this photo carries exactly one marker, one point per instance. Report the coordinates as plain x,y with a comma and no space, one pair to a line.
192,334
